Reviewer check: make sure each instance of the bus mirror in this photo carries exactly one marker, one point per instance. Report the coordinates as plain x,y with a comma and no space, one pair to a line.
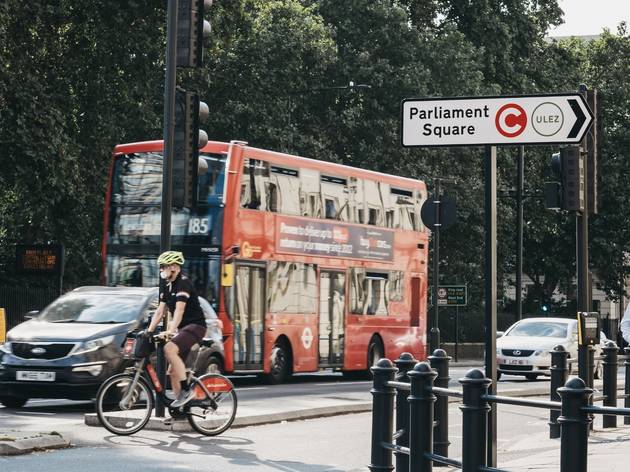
202,167
227,275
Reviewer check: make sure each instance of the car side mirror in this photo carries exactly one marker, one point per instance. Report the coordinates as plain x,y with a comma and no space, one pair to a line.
500,334
31,314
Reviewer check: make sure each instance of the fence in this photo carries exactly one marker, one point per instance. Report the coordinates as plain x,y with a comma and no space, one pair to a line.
17,301
421,397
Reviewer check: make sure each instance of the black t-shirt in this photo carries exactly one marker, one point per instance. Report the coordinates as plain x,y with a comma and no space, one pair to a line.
182,290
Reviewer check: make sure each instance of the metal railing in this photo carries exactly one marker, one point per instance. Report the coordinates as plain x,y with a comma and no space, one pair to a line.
416,442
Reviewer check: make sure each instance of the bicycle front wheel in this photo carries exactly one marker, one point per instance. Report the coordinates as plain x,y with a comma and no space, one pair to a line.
212,415
122,406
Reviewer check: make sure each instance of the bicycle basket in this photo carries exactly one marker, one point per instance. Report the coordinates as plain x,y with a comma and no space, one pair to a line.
144,347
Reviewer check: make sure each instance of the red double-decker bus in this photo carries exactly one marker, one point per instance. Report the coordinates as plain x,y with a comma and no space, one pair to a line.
309,264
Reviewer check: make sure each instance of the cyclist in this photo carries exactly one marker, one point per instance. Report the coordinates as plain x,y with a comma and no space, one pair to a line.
187,325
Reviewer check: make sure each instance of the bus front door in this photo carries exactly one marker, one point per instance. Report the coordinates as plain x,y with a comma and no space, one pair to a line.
331,317
249,315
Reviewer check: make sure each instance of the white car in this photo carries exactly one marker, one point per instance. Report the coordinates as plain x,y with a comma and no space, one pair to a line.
525,347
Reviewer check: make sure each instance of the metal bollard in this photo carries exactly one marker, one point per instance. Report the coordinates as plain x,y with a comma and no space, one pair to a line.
626,390
475,420
559,373
610,365
404,364
421,402
382,416
574,425
440,362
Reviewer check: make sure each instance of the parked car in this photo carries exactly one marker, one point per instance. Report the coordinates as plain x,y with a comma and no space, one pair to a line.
524,348
76,342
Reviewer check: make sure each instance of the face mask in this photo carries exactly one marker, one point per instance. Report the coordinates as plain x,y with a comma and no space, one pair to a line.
163,275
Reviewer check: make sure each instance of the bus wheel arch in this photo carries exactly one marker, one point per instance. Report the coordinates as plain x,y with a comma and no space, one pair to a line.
375,350
280,360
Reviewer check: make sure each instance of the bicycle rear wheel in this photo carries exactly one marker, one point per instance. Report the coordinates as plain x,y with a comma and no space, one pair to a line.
212,415
122,409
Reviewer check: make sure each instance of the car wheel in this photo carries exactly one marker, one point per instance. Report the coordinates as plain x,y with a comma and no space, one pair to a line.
215,365
531,376
499,375
13,402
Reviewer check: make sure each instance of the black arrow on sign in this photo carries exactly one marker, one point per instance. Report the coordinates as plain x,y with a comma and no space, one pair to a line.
580,118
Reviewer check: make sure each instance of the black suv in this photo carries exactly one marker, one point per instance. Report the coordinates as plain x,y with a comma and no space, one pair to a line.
75,343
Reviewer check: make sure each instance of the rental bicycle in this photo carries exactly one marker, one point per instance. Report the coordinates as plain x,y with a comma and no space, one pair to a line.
125,401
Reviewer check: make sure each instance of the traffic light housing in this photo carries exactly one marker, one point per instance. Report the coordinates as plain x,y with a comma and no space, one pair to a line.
192,28
188,139
567,191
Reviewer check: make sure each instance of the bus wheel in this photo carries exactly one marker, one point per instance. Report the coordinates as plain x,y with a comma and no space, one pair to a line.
375,352
280,364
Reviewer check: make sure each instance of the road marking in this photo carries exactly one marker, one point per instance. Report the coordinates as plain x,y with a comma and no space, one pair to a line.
253,388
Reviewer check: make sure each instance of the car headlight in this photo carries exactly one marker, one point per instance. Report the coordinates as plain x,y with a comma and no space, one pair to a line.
6,347
94,344
540,352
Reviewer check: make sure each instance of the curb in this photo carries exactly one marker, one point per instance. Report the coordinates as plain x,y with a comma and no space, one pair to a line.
20,443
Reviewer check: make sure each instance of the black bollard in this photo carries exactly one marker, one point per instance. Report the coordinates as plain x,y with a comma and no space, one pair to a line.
559,373
382,415
404,364
626,391
610,366
440,362
474,420
421,402
574,425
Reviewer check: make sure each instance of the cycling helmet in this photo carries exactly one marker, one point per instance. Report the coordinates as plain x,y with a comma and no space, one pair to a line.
171,257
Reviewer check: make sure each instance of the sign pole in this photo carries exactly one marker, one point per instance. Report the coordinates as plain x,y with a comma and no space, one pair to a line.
434,340
456,332
519,230
490,179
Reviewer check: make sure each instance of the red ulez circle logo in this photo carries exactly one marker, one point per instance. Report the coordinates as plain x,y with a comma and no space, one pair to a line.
511,120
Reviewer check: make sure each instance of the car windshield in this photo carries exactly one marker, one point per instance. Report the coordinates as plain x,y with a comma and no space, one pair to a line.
93,308
544,329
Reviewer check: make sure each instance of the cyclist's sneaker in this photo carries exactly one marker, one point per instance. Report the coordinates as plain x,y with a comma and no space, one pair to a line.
184,397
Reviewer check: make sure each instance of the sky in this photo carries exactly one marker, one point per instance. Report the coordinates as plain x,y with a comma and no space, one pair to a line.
589,17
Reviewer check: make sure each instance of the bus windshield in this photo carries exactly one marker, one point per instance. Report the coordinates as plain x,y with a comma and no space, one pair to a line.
134,223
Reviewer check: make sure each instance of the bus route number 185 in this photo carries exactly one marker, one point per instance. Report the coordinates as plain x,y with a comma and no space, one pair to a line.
198,226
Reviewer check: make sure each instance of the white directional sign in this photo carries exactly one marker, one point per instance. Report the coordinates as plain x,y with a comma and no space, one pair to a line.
539,119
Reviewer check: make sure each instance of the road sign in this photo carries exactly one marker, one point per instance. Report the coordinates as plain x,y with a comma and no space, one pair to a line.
508,120
452,295
448,212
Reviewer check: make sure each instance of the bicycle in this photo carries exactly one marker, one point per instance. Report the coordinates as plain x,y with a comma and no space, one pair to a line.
124,402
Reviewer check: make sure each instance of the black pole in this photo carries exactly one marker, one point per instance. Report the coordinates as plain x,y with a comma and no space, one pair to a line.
491,293
520,181
167,166
421,401
474,421
574,426
559,373
382,416
457,334
610,381
626,391
434,336
440,363
404,364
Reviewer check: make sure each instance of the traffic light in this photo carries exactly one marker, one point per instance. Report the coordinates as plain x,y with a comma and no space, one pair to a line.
567,191
188,139
192,28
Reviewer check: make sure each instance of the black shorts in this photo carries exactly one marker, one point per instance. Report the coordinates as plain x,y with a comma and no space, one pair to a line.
187,337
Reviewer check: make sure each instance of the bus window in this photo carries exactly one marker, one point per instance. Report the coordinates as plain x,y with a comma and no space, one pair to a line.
396,285
374,203
369,292
284,191
310,199
255,185
335,197
405,208
211,183
357,202
292,287
420,197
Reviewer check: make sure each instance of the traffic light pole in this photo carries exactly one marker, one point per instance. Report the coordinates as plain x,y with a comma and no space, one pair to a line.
167,168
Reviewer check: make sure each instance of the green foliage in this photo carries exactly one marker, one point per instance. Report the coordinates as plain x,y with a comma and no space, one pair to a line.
78,77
